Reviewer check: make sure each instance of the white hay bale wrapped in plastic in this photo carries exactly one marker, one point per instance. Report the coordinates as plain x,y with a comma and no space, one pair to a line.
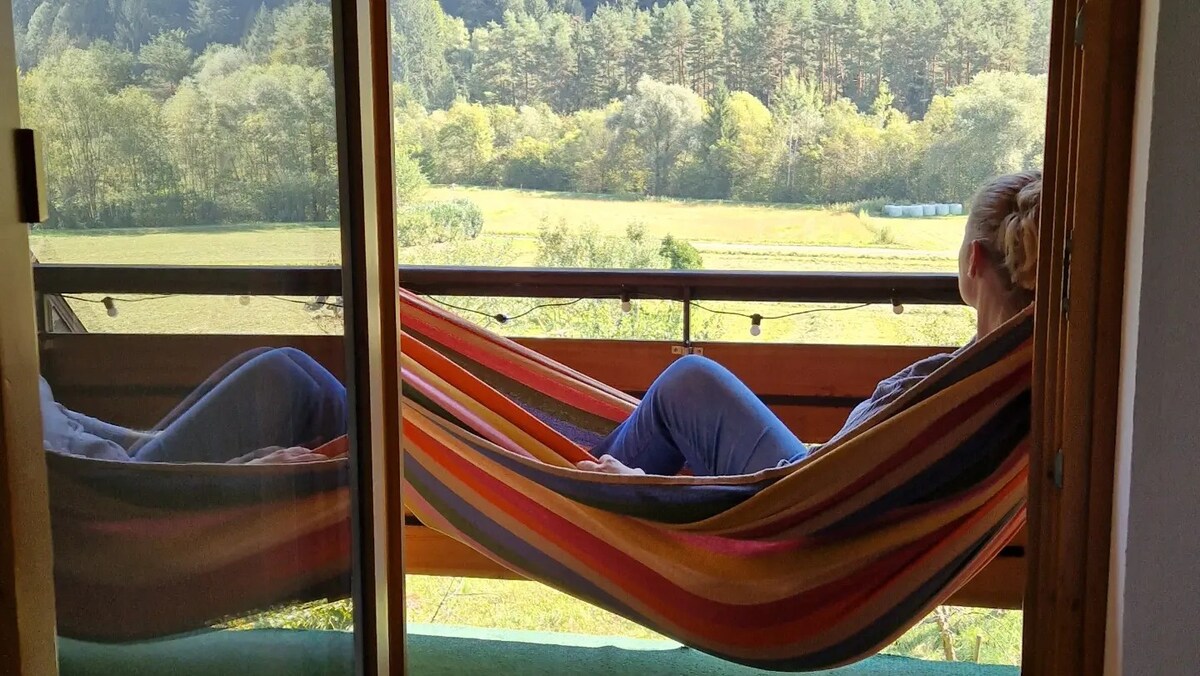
956,209
942,209
928,210
913,211
892,211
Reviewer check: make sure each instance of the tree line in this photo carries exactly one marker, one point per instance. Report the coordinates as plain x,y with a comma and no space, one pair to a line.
665,140
159,127
541,52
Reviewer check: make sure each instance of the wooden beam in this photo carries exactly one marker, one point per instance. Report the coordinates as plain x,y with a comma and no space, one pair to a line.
792,287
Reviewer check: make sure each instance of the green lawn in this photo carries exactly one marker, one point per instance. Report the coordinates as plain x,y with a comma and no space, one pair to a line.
519,212
730,236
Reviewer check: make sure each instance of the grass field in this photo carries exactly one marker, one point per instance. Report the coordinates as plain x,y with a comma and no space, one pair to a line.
729,236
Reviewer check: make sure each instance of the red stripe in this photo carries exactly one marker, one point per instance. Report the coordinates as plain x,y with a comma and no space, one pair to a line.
556,389
493,400
930,434
760,624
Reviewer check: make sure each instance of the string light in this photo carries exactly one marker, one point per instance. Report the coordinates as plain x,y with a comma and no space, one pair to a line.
788,315
756,319
500,317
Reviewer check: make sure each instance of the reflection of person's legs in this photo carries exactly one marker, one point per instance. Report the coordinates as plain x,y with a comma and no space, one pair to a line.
275,398
699,413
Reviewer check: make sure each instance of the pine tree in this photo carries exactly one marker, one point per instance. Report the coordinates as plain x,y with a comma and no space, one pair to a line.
832,38
257,41
1010,25
965,43
557,63
523,37
166,60
640,47
781,39
738,55
864,55
211,20
1039,36
708,45
671,31
605,44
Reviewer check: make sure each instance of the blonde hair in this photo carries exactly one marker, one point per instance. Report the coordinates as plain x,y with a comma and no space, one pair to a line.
1005,216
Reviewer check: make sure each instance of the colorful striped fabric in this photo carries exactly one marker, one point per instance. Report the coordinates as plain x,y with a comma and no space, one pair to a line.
804,567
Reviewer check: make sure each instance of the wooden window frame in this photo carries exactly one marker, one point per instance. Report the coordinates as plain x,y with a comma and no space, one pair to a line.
27,644
362,85
1089,139
1085,213
363,103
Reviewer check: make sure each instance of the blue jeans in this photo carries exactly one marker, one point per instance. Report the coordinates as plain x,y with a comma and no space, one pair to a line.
264,398
699,414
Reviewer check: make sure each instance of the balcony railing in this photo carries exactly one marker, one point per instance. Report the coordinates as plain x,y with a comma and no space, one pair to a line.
672,285
679,285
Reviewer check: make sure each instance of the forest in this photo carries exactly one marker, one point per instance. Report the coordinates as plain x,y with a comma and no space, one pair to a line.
165,112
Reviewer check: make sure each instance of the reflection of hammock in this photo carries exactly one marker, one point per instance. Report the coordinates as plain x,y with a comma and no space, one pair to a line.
801,567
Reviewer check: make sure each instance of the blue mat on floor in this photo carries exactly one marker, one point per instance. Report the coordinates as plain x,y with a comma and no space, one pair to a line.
438,650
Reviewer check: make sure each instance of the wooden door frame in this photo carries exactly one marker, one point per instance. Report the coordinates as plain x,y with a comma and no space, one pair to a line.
1085,214
27,644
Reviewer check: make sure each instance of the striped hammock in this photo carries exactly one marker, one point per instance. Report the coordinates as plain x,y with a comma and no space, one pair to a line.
804,567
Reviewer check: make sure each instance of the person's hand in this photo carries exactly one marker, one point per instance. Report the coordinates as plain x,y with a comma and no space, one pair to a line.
608,464
280,455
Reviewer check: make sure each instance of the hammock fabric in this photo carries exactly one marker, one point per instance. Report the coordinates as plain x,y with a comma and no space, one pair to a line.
804,567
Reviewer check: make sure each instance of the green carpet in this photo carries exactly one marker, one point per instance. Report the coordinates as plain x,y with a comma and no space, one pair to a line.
437,650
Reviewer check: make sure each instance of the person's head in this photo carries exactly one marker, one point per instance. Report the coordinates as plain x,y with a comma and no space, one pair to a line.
997,265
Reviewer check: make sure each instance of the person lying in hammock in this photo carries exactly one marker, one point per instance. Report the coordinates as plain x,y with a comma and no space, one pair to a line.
698,414
264,406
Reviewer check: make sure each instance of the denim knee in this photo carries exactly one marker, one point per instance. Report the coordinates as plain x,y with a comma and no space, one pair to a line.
690,376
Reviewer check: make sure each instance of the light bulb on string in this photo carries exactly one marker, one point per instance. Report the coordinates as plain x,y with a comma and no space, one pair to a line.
500,317
110,306
756,324
897,307
626,304
244,300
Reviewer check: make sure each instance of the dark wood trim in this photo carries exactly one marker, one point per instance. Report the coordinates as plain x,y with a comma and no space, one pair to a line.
361,34
808,287
1079,340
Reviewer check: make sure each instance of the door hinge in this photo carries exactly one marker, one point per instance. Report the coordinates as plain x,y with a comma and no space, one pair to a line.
32,203
1079,25
1058,469
1066,276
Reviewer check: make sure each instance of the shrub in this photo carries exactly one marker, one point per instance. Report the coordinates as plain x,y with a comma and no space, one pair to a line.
681,255
439,222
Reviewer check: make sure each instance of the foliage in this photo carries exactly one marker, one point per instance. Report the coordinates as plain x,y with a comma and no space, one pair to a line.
680,255
167,113
438,222
663,120
994,125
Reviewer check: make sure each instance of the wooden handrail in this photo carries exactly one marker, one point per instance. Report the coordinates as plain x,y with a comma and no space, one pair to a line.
809,287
